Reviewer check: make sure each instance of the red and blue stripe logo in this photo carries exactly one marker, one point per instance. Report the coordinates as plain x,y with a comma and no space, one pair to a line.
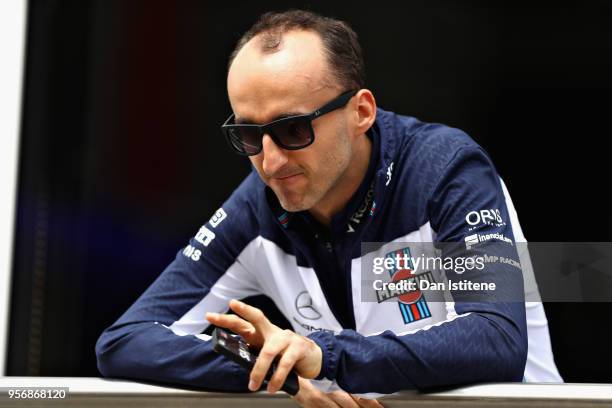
412,305
284,219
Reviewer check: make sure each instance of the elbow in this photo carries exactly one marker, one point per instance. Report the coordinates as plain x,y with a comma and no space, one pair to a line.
506,352
119,352
102,355
511,355
517,359
106,349
518,349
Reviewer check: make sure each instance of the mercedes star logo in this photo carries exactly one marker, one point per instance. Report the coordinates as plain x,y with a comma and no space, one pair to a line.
303,305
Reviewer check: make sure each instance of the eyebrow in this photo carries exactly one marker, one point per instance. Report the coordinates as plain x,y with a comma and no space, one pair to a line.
247,121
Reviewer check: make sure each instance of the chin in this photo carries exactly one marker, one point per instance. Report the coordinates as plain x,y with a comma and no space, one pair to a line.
291,206
294,204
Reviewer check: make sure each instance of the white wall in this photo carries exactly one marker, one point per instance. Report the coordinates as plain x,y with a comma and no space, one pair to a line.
12,44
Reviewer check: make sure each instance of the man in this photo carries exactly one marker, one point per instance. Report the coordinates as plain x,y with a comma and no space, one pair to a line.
331,170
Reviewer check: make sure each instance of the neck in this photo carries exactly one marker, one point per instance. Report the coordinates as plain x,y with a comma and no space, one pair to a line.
347,184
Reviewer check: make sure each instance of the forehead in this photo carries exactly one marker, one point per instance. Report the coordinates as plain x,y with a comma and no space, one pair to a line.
293,79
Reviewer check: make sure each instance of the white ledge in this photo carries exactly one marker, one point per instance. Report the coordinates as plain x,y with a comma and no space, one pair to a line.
94,392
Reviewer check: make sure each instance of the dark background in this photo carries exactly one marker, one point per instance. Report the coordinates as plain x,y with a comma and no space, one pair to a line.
122,160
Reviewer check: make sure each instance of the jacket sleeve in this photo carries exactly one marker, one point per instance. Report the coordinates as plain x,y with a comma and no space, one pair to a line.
482,339
159,338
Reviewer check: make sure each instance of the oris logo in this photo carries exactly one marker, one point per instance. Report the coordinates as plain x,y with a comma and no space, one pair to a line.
487,217
303,305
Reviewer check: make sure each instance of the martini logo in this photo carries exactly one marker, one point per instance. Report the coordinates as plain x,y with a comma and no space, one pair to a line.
412,303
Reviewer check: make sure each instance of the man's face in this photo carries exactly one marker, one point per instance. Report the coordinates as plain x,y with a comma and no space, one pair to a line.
293,80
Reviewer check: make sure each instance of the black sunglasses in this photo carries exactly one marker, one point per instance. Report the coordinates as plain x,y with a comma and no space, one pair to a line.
291,133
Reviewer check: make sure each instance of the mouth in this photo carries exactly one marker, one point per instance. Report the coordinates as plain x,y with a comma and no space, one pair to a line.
287,181
287,177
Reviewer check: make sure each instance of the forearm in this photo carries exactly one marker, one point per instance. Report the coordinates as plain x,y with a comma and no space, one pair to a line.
474,347
149,351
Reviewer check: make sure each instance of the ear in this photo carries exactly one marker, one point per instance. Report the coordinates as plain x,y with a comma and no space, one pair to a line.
364,111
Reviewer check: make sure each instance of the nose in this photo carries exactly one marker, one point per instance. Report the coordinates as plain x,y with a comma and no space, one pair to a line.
274,157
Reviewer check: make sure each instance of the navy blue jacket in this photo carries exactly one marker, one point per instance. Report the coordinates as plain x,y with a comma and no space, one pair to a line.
425,183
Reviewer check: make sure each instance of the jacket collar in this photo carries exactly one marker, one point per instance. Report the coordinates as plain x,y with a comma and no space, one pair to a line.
368,195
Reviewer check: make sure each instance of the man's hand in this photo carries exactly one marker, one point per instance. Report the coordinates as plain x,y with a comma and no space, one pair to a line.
310,397
296,352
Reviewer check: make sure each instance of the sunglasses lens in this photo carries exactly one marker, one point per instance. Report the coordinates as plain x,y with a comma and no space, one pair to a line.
293,134
246,140
289,134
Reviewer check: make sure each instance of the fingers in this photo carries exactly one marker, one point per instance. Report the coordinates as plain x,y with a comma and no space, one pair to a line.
310,397
271,348
251,314
283,367
232,322
300,354
235,324
296,350
367,403
343,399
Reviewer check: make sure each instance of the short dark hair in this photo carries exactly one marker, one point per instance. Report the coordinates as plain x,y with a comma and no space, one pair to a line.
340,42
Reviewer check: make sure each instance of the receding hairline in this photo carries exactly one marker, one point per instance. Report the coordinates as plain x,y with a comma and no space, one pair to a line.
271,41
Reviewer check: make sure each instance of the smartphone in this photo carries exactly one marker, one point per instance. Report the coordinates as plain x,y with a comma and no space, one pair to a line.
236,349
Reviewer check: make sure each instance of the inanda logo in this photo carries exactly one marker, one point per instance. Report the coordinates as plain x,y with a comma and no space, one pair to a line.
473,240
303,305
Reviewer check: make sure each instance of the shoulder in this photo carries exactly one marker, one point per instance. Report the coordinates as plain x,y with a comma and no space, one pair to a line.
427,158
423,151
426,142
237,221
